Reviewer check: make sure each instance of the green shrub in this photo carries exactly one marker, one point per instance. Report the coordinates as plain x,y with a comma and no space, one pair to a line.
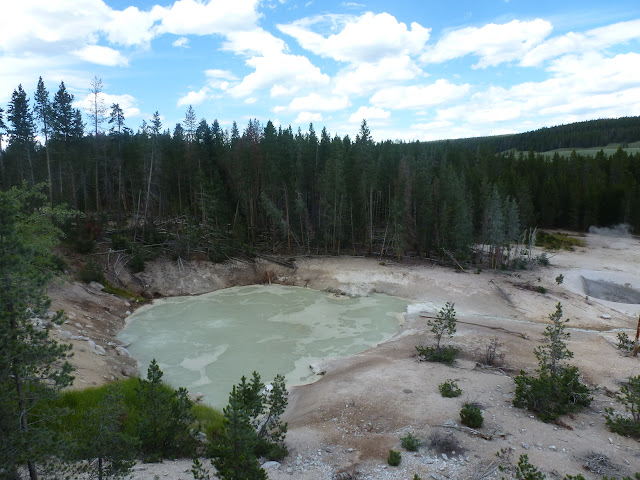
629,397
394,458
557,241
411,443
541,289
559,279
557,389
92,272
542,260
446,355
471,416
119,242
449,389
527,471
58,264
123,292
624,342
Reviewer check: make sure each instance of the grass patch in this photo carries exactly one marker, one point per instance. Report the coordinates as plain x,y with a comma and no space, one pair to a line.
123,292
557,241
78,402
446,355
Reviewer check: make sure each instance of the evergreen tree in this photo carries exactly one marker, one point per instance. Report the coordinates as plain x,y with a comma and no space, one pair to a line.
106,450
22,131
32,366
166,417
234,456
44,114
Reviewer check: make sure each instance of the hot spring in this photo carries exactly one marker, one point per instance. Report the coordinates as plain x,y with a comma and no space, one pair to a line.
208,342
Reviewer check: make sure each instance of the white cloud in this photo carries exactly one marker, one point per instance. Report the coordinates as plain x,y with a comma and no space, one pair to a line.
367,38
193,97
308,117
250,100
131,26
596,39
369,113
253,42
419,96
315,102
367,77
101,56
186,17
284,74
493,43
182,42
128,104
222,74
586,87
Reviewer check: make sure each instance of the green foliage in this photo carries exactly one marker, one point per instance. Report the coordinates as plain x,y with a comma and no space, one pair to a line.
527,471
557,241
444,323
557,389
394,458
559,279
541,289
624,342
165,417
122,292
416,477
446,355
92,272
81,234
199,472
234,453
449,389
629,397
542,260
119,242
102,447
410,442
32,366
252,428
471,416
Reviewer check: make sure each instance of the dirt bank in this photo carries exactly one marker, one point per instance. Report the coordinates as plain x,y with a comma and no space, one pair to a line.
348,420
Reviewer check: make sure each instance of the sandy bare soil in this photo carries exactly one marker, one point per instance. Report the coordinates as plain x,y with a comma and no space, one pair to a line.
343,425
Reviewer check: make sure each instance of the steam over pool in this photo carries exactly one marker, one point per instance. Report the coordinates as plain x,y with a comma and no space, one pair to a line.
206,343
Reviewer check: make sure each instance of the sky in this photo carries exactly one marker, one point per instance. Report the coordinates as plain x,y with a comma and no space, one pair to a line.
414,70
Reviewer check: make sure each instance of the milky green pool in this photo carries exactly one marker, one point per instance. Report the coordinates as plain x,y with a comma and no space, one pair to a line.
206,343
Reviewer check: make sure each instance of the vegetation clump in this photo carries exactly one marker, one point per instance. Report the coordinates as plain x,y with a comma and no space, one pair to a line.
92,272
443,324
410,442
449,389
629,397
557,241
471,416
624,342
557,388
394,458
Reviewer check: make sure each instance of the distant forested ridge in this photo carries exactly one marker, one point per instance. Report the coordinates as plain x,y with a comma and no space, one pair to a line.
215,190
588,134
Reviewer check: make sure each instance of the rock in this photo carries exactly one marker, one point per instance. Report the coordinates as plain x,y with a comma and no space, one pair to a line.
444,457
123,351
407,390
196,397
552,447
271,465
64,335
317,369
96,286
606,316
129,371
128,312
526,446
450,424
80,337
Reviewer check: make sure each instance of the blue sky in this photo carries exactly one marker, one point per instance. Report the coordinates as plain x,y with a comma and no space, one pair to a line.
415,70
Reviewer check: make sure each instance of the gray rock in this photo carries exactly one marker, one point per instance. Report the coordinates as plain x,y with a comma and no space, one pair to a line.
96,286
196,397
123,351
526,446
99,350
64,335
129,371
271,465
